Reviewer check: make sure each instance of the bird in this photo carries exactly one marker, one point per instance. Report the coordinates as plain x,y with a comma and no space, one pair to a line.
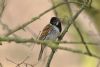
50,32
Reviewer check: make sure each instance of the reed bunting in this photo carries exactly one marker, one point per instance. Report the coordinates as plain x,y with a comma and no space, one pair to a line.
50,32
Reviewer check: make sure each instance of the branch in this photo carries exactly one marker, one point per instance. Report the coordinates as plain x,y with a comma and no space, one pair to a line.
32,20
77,29
31,40
50,44
71,21
82,39
2,7
18,64
22,61
50,58
78,51
35,18
1,65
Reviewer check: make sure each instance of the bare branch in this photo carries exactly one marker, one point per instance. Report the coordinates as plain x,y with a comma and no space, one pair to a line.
1,65
82,39
78,51
18,64
32,20
2,7
71,21
31,40
35,18
22,61
10,61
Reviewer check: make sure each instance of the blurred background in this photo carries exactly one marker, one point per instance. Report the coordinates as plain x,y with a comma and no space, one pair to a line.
14,13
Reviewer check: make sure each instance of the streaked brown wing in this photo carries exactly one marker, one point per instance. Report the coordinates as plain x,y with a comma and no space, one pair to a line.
45,32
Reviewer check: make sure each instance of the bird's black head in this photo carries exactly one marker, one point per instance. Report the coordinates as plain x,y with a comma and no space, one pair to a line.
56,22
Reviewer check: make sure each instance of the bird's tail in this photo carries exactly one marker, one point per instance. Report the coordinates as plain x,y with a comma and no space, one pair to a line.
41,52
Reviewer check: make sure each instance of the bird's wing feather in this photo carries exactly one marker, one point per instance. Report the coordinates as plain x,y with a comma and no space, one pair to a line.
43,35
45,32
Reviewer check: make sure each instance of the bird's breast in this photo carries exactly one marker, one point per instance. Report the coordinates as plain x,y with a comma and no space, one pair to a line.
53,34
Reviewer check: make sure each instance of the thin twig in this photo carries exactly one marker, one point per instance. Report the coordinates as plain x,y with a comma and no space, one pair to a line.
18,64
22,61
5,26
26,65
2,7
78,51
1,65
82,39
10,61
35,18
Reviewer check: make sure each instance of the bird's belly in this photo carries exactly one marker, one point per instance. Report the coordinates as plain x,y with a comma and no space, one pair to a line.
53,35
